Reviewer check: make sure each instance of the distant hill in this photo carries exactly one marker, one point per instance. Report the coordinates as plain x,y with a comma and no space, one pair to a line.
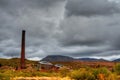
53,58
90,59
116,60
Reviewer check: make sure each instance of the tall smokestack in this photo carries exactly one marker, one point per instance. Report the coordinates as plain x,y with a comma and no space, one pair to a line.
23,50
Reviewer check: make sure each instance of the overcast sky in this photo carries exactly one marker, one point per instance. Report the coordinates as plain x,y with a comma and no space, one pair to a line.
77,28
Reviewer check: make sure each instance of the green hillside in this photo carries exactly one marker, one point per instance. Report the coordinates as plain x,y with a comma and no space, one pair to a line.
14,62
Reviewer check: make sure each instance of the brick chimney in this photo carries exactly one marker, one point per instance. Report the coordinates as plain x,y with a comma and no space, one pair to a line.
22,61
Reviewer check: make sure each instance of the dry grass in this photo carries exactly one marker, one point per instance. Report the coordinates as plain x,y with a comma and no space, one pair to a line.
40,78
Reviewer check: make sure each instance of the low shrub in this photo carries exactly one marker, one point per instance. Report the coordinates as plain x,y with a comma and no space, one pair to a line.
4,76
103,73
117,68
63,72
82,74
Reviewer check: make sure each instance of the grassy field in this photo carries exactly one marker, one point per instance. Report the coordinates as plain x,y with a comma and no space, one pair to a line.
75,70
40,78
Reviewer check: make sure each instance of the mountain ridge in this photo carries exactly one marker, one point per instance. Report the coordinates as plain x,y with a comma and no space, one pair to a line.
53,58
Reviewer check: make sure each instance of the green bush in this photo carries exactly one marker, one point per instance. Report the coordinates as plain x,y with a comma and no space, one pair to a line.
64,72
82,74
4,76
117,68
103,71
92,74
112,77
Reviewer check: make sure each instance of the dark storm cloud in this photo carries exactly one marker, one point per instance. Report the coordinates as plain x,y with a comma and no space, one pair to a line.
43,3
17,7
115,43
12,52
84,51
92,42
49,32
91,7
77,32
10,48
39,19
90,32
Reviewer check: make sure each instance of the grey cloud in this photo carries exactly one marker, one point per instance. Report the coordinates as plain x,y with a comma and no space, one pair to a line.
36,17
92,32
85,51
91,7
48,32
96,30
12,52
43,3
17,8
109,53
9,48
82,31
115,43
89,42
